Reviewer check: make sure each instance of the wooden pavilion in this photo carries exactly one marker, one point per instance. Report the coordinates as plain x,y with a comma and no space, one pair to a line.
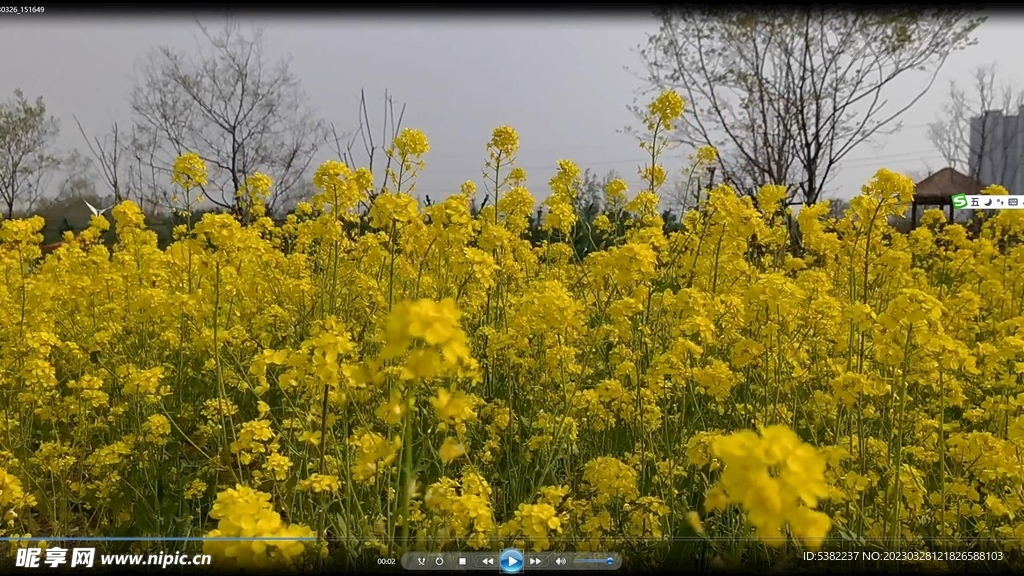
939,189
936,191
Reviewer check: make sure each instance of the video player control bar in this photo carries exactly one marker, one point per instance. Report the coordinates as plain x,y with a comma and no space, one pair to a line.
511,561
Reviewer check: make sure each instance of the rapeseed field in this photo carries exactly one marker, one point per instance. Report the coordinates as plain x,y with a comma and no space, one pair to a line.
743,389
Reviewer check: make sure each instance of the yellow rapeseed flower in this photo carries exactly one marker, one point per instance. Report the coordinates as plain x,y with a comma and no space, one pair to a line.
371,365
189,171
504,141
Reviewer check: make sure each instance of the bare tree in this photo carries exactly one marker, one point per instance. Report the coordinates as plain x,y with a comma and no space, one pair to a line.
27,162
969,137
77,179
837,207
785,95
129,167
345,146
110,154
590,202
238,111
688,189
146,175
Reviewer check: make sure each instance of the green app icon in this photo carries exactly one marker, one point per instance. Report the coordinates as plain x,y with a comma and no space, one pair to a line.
960,201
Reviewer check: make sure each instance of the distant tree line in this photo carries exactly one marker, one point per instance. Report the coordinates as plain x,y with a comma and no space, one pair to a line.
778,104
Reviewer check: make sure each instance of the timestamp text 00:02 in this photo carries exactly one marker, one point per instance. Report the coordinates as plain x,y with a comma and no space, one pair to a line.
388,561
22,9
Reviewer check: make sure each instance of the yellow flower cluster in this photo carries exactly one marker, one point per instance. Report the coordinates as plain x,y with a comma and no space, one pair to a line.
411,143
611,479
393,210
255,192
773,500
374,453
320,483
565,185
189,171
242,512
156,429
666,109
706,154
435,324
504,141
399,375
339,186
462,509
13,498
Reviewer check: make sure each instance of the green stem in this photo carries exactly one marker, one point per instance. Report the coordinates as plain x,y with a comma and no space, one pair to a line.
408,477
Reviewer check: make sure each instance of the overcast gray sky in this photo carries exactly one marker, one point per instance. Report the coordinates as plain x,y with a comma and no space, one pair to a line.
559,81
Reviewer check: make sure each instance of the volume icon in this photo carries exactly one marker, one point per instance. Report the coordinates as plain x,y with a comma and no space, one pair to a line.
560,561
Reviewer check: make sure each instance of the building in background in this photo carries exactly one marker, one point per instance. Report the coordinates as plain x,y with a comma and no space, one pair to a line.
996,154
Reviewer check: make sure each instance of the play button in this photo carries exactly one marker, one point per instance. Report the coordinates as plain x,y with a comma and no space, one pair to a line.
511,560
